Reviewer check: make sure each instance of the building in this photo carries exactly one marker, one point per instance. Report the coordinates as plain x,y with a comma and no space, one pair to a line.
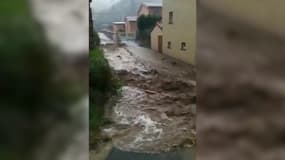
131,27
119,29
179,29
157,38
150,8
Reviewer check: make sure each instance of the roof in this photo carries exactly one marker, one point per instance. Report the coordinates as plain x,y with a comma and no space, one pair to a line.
159,25
118,22
158,28
152,4
131,18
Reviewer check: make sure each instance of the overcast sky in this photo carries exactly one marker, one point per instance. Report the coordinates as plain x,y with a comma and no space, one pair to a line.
99,5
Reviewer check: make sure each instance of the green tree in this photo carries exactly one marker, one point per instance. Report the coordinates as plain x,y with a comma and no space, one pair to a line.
145,25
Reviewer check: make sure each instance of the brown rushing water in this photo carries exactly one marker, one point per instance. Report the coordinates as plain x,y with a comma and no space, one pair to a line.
156,109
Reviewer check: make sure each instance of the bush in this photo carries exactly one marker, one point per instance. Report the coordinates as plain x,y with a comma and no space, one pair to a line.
100,73
100,82
147,22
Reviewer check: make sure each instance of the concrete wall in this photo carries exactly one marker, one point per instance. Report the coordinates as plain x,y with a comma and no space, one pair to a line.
120,28
266,14
154,38
183,29
131,27
117,27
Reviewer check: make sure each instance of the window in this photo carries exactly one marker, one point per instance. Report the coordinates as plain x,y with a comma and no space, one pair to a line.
183,46
169,45
171,17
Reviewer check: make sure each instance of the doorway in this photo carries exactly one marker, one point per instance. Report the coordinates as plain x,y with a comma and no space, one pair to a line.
160,44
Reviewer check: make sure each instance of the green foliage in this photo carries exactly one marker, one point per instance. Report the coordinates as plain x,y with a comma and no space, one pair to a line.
145,26
100,74
29,92
14,8
27,69
101,86
25,64
147,22
100,83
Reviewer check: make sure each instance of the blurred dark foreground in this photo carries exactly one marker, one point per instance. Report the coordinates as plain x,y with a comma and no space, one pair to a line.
241,89
43,102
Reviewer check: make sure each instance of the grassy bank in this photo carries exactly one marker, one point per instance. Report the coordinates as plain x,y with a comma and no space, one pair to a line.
102,86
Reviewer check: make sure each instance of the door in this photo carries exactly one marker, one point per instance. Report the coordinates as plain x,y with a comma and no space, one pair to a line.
160,44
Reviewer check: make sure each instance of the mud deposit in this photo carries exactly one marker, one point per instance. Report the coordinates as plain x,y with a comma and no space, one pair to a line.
156,109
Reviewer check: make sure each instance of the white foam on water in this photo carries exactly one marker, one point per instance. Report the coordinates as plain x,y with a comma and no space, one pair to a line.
150,133
128,113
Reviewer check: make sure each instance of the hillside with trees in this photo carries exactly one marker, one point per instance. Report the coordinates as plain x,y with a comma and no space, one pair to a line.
118,12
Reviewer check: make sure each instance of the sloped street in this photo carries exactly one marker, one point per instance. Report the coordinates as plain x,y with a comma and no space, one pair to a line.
155,111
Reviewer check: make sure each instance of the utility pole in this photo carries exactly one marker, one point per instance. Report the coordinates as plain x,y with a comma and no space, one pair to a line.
91,29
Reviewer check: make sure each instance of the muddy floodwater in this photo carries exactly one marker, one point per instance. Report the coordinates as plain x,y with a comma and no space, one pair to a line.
155,111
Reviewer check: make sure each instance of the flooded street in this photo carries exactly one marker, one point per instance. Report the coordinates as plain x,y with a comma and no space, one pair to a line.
155,111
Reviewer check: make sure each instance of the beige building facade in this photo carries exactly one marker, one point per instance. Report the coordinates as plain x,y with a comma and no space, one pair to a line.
119,29
147,8
131,27
179,29
157,39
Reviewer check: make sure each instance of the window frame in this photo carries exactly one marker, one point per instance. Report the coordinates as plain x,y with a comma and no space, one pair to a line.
183,46
170,17
169,44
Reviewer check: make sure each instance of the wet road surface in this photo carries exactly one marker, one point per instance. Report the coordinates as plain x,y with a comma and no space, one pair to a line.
117,154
